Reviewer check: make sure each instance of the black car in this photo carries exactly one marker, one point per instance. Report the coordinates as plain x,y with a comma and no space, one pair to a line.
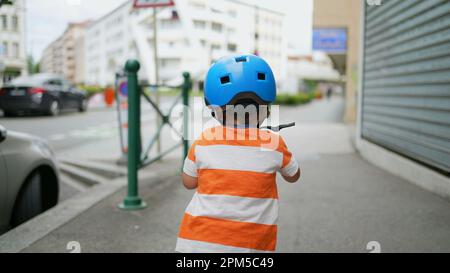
41,93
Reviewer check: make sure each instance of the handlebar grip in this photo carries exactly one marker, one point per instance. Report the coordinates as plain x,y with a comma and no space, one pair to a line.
280,127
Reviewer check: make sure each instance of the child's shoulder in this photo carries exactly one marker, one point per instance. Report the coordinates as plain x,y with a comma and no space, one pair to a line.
221,135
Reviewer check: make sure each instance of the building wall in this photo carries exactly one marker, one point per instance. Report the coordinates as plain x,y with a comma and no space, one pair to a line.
65,55
107,46
406,86
404,102
191,36
345,14
12,41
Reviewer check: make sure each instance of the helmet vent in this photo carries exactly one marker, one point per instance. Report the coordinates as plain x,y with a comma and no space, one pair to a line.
225,80
261,76
241,59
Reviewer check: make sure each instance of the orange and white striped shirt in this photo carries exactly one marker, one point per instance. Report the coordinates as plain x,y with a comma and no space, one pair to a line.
235,207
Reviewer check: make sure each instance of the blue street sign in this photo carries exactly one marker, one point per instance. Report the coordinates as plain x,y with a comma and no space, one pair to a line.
330,40
123,88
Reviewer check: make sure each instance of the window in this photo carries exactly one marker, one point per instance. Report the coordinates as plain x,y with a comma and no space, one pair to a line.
198,4
215,47
175,15
169,24
232,13
232,47
216,27
169,62
16,51
199,24
15,23
4,50
4,22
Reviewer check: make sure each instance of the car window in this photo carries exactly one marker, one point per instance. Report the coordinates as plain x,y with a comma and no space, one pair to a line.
54,82
66,83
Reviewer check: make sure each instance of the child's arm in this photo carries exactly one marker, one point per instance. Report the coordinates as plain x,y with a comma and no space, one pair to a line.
293,179
190,172
190,182
290,170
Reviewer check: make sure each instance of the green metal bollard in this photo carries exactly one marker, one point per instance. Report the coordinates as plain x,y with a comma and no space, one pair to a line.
186,88
132,201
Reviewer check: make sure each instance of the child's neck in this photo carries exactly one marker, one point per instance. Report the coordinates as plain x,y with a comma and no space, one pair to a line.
240,125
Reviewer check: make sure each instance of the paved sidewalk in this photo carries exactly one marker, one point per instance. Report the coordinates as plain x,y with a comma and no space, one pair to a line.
341,204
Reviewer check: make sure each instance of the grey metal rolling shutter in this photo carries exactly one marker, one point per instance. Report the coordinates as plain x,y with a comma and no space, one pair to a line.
406,79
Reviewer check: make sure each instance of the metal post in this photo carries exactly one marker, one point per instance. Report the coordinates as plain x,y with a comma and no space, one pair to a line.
155,55
132,200
257,30
119,113
186,87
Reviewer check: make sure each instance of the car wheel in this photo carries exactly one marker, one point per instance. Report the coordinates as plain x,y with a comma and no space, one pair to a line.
83,105
54,108
29,202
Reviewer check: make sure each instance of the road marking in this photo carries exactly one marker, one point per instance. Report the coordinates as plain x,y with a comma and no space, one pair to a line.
101,131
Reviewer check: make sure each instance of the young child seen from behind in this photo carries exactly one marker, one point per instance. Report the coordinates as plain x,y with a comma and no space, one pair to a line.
233,166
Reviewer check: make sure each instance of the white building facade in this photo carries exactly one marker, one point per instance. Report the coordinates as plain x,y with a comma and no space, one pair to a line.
12,41
65,56
191,35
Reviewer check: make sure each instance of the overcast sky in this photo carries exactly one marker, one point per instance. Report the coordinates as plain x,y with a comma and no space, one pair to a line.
47,19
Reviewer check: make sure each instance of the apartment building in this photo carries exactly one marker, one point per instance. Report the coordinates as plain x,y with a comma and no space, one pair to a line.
191,35
12,41
65,55
108,44
51,60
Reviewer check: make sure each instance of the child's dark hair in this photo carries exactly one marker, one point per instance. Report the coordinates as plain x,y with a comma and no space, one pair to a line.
245,111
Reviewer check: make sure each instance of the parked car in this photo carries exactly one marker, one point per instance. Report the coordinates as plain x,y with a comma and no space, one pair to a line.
29,179
41,93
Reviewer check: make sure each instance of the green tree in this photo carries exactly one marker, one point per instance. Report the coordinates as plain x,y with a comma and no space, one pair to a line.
37,68
6,2
32,67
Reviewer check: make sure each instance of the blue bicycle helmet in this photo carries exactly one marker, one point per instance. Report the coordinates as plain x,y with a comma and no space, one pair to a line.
244,76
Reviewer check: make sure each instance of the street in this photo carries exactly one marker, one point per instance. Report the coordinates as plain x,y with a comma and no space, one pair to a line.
68,130
90,136
73,129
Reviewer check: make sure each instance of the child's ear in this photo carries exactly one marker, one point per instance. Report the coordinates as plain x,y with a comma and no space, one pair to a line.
217,112
213,114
